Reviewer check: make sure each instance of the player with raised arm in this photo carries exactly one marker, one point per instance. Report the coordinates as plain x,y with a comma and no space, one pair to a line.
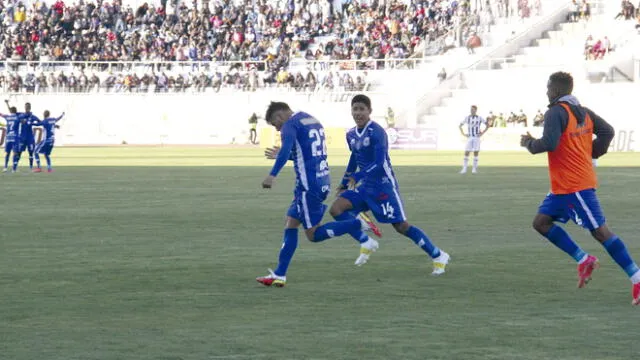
370,167
11,139
303,141
474,123
568,141
45,147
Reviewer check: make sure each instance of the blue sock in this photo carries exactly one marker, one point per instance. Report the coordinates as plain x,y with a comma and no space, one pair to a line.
289,246
618,251
30,161
336,228
422,240
6,159
562,240
48,161
359,235
16,160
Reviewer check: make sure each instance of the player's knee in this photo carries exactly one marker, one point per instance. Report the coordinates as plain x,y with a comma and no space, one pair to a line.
542,224
402,227
602,234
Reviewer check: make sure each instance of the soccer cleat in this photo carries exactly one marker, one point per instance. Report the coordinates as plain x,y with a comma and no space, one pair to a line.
586,269
50,170
5,170
272,280
463,171
37,170
635,293
366,249
440,263
474,171
372,226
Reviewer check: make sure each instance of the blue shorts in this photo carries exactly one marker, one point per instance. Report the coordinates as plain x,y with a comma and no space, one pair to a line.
582,207
9,146
308,208
384,202
44,147
20,147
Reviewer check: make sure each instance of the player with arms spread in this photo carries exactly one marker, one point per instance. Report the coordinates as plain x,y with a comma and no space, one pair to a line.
303,141
11,140
377,188
45,147
568,141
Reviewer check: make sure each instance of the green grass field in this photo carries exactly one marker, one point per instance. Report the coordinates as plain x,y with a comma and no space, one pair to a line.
151,253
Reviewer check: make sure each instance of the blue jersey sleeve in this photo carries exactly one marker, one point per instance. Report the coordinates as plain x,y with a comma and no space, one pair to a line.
380,148
288,135
35,121
351,167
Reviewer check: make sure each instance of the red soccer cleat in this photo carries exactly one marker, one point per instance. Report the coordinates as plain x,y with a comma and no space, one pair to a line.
635,293
586,269
50,170
372,226
37,170
272,280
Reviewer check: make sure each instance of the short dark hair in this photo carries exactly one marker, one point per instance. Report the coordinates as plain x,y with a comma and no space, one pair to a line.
13,110
273,107
361,99
562,81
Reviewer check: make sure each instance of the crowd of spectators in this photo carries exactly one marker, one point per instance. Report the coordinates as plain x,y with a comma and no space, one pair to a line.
221,31
262,36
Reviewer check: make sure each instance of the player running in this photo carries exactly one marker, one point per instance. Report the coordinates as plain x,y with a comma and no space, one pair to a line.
45,147
377,188
303,141
11,140
568,140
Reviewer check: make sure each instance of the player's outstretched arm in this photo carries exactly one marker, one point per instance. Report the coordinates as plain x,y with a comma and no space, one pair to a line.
59,117
8,106
604,135
288,136
555,121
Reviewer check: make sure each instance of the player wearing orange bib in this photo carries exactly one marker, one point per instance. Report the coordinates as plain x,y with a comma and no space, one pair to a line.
568,140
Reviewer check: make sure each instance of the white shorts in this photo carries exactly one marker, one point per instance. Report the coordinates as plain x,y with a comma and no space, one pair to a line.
473,144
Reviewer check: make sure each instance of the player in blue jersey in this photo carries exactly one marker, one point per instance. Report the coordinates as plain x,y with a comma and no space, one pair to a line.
11,137
303,142
49,126
377,188
26,138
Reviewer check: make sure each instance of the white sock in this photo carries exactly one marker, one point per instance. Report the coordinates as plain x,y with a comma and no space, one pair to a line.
584,258
465,163
635,278
475,163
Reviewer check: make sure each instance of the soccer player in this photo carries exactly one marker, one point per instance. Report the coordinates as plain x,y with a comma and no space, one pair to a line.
474,123
49,125
568,140
27,141
378,188
303,141
359,235
11,140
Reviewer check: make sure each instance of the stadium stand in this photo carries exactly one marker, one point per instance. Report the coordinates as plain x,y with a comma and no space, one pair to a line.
309,45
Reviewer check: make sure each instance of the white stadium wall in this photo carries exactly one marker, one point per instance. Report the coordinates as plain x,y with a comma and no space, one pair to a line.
220,119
